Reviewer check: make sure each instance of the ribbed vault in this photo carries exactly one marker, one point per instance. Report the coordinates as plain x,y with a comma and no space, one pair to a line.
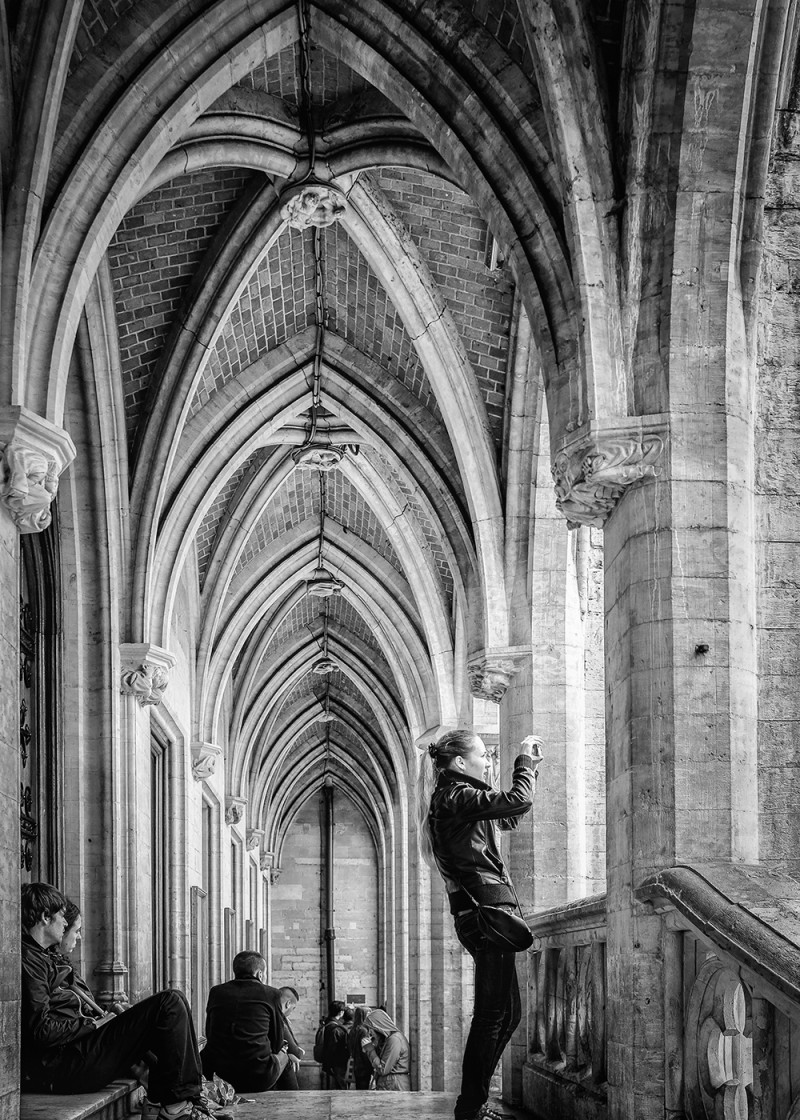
415,335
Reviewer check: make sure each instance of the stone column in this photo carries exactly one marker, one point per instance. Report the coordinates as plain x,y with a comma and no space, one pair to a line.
33,454
124,974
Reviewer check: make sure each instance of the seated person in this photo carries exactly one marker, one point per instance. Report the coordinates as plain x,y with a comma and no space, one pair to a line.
245,1028
70,1045
289,999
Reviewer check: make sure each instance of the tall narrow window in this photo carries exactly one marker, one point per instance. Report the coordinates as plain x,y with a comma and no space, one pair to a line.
39,708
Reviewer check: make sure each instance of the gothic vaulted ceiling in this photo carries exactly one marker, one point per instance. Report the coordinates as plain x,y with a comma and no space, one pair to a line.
389,338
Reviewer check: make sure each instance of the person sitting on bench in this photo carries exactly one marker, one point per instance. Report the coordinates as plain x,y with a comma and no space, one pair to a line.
68,1047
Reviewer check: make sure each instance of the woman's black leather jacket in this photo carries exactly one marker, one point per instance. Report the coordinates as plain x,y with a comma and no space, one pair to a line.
463,813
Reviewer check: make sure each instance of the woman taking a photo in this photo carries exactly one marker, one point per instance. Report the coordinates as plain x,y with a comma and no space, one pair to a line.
458,811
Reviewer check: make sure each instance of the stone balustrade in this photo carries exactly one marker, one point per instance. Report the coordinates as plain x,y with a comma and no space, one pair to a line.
730,952
565,1071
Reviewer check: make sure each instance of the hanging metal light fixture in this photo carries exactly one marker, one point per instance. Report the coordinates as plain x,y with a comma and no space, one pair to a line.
322,583
325,664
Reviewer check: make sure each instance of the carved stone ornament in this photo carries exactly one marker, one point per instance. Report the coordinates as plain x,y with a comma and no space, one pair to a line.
33,454
491,671
253,838
312,203
266,861
145,671
204,760
593,470
234,809
274,875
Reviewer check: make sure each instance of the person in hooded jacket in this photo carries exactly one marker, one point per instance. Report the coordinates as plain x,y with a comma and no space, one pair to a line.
389,1053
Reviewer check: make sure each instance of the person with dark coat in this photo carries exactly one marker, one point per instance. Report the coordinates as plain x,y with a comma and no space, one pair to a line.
362,1066
71,1045
459,809
335,1054
246,1042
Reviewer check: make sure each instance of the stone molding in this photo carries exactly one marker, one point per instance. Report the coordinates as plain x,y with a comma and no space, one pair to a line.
595,467
234,809
266,861
253,838
145,671
33,455
491,671
204,760
274,875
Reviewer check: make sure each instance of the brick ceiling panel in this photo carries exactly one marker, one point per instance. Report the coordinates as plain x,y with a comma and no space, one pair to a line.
343,615
277,304
153,257
452,239
296,500
97,16
360,310
409,495
304,615
501,19
331,79
209,527
345,505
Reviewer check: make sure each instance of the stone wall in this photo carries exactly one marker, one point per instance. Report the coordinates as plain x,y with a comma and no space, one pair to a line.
778,521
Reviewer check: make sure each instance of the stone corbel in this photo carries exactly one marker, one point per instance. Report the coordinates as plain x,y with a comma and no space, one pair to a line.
598,463
145,671
266,861
204,760
491,671
234,809
253,838
33,455
274,875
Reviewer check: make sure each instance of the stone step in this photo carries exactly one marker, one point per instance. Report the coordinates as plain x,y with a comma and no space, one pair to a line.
355,1105
114,1102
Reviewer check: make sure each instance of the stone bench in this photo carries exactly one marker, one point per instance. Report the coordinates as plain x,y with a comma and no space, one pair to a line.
114,1102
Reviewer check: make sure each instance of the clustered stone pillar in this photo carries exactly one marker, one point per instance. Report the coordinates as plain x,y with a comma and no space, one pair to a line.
33,455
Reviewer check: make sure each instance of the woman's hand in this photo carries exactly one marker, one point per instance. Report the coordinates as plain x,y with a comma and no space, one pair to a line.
533,747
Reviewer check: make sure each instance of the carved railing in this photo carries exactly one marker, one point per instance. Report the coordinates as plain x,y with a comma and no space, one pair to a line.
730,952
732,991
565,1070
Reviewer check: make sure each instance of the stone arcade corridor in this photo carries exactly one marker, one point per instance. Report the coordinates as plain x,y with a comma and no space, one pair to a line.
371,368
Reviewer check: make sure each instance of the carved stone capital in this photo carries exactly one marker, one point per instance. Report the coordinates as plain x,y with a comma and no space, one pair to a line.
592,471
204,760
266,861
145,671
274,875
253,838
312,203
33,455
234,809
491,670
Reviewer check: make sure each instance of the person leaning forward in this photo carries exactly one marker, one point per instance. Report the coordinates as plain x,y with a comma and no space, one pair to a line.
245,1028
67,1049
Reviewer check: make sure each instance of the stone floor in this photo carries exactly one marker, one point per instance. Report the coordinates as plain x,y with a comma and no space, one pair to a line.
353,1105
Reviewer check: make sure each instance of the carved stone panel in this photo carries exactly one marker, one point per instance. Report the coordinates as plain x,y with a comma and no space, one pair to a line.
204,760
593,470
145,671
234,809
33,455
